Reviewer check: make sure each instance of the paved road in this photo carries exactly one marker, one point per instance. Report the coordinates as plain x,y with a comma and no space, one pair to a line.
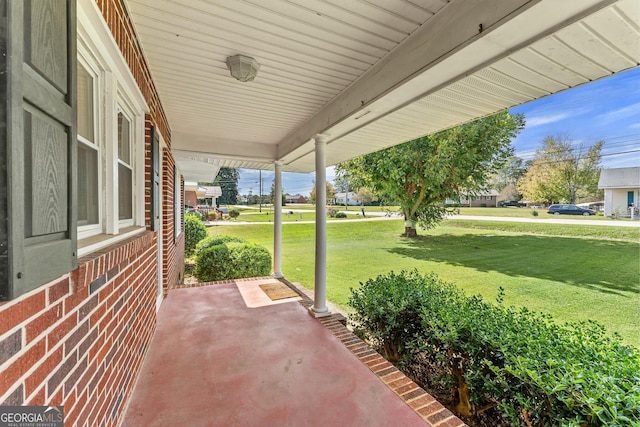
382,216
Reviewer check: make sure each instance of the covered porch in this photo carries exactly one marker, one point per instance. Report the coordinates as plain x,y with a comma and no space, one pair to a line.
323,82
226,354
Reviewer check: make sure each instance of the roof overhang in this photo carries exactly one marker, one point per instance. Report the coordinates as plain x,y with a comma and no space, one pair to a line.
466,60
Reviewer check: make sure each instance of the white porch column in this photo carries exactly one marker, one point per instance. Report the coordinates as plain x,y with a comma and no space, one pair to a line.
319,308
277,222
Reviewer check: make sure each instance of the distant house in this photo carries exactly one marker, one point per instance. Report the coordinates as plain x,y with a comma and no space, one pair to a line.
194,192
487,198
339,199
211,194
621,191
298,198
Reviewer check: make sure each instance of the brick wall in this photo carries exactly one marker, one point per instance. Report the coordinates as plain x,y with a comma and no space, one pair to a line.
79,341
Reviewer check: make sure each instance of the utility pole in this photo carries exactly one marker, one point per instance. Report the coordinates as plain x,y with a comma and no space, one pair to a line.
260,198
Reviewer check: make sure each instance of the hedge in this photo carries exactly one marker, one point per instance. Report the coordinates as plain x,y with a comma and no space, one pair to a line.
194,231
227,257
529,368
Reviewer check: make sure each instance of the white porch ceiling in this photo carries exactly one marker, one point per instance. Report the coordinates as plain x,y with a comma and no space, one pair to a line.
369,73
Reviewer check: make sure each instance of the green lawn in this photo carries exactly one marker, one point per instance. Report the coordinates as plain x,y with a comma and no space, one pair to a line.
556,270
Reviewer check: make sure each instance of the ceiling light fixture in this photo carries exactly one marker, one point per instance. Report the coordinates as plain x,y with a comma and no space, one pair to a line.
243,68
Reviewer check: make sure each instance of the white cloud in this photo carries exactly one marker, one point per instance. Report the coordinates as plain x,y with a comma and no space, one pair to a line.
543,120
620,113
635,126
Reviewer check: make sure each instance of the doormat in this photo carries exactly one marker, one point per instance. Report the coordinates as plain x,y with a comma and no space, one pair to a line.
277,291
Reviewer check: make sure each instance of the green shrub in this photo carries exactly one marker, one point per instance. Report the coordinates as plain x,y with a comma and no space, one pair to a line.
217,240
341,215
212,215
387,311
534,213
194,231
227,257
234,213
532,370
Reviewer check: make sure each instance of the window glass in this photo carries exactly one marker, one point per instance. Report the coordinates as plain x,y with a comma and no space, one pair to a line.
125,173
88,152
124,147
85,105
88,193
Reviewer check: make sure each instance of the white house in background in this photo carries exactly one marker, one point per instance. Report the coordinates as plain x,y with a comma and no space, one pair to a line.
621,191
339,199
485,199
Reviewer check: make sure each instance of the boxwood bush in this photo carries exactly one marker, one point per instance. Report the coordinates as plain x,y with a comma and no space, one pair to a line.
194,231
532,370
227,257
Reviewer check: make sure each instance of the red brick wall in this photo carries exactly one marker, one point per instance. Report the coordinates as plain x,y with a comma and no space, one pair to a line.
79,341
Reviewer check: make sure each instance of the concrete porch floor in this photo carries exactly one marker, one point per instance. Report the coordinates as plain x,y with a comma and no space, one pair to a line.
226,355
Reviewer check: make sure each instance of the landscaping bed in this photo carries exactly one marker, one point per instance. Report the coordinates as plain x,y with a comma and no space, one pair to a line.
498,365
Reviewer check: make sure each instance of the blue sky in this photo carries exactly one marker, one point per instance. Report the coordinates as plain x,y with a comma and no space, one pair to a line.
608,109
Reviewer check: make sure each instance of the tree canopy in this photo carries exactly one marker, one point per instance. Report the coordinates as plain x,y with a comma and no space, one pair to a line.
562,172
421,174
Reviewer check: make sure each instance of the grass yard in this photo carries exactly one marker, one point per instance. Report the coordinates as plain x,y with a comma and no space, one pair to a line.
572,272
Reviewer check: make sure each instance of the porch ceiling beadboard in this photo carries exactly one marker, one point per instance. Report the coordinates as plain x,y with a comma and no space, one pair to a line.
369,73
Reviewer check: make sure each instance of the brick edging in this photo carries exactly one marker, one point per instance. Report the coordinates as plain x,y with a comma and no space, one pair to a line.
218,282
416,397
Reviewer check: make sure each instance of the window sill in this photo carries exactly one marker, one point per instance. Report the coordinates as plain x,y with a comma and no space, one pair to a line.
100,241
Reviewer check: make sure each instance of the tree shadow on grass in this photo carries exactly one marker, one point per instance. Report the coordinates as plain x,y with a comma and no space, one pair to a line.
601,265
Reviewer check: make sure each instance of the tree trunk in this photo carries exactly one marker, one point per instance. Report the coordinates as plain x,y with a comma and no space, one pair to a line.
410,229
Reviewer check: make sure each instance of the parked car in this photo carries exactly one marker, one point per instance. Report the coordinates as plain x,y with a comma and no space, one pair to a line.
509,203
570,210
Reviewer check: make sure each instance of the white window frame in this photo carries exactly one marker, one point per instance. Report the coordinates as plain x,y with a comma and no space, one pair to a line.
90,66
116,89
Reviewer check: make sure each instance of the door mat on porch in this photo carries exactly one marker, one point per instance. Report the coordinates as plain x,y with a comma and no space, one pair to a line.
277,291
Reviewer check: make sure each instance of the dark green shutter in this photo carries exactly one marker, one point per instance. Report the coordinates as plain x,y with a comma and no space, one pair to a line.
155,178
42,142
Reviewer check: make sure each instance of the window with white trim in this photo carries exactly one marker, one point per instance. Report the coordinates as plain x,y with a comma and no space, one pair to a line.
111,111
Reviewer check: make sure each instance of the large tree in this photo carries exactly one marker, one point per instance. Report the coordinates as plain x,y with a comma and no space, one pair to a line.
562,171
421,174
227,179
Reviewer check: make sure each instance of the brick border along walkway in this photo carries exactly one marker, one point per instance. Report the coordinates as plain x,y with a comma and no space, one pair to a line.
419,400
